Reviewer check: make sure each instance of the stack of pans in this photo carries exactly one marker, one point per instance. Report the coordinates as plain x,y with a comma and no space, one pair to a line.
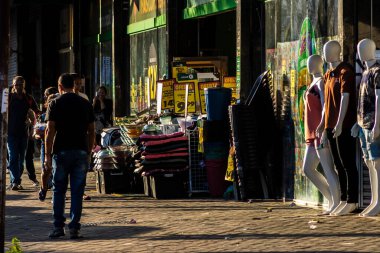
253,131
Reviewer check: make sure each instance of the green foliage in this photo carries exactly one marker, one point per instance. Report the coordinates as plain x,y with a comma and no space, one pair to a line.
15,248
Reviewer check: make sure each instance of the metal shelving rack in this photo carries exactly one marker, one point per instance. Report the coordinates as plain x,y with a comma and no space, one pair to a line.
197,170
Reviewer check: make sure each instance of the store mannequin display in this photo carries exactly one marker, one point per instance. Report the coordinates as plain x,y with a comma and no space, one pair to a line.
337,121
368,116
316,153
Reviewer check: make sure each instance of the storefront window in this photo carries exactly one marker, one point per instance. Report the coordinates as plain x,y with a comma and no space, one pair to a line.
294,30
148,64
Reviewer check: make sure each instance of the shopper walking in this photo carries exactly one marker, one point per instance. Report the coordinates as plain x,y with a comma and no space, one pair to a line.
46,178
19,105
69,140
103,111
29,157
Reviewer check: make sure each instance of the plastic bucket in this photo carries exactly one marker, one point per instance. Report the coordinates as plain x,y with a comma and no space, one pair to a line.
217,102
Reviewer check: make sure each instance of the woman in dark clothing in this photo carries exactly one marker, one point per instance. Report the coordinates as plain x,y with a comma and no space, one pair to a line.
103,112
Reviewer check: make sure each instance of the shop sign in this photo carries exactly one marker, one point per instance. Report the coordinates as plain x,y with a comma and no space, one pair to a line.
180,98
144,9
4,101
179,67
165,95
230,82
202,98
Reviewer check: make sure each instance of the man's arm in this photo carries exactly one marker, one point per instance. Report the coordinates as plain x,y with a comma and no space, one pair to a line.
91,136
50,134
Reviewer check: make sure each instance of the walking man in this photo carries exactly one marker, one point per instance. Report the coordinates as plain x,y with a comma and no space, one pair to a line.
69,140
20,105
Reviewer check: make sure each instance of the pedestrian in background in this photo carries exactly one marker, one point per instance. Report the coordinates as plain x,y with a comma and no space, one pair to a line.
46,178
78,85
68,144
19,105
103,108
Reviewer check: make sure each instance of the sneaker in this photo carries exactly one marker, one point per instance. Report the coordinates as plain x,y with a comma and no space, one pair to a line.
56,233
42,194
86,197
75,233
15,187
19,187
36,183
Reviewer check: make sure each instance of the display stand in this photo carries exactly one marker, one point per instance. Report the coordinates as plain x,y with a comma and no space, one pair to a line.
197,170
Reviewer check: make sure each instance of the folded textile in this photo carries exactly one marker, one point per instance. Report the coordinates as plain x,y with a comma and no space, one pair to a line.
165,142
165,156
165,162
177,150
147,137
166,148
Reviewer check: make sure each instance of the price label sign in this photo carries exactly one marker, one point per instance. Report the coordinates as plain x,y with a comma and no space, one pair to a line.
230,82
202,98
180,98
165,95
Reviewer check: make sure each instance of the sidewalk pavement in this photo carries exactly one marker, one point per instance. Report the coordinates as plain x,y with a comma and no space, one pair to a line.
188,225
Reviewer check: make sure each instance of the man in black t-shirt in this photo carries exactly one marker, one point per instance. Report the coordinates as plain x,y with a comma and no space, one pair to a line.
69,140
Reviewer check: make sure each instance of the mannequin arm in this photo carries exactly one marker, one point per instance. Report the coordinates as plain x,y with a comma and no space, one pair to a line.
376,130
321,125
342,113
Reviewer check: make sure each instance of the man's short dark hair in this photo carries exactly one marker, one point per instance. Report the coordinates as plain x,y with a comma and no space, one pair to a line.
66,80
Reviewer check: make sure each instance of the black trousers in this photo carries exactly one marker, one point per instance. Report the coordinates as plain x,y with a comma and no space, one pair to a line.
343,149
29,163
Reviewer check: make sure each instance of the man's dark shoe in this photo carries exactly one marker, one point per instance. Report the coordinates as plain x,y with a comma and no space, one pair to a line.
15,187
75,233
42,194
19,187
56,233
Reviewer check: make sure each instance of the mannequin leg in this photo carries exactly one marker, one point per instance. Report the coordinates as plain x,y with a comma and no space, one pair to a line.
372,175
375,203
325,158
310,165
347,153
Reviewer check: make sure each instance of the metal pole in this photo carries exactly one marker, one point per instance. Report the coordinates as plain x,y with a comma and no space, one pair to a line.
4,54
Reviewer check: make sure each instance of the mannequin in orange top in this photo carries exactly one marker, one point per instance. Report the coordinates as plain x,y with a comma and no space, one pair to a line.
315,152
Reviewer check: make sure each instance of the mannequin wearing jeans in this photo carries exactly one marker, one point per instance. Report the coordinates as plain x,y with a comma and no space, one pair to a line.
340,106
316,153
369,120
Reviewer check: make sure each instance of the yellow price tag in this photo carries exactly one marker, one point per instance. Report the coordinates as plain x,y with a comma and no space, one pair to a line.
230,82
180,98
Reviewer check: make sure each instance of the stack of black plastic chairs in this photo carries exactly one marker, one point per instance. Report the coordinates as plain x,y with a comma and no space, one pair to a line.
254,133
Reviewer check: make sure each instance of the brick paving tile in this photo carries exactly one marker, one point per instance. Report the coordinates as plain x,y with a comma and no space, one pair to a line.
188,225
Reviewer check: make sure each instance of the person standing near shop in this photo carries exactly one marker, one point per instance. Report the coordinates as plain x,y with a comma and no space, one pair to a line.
78,85
103,112
19,105
69,141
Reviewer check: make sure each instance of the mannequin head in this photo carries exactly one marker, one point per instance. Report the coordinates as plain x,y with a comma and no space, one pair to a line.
331,51
367,50
314,64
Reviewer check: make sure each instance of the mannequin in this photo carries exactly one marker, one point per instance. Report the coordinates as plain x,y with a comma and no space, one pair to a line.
369,120
339,114
316,153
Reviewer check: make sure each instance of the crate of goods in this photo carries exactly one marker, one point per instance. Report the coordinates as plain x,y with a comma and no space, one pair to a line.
168,185
112,181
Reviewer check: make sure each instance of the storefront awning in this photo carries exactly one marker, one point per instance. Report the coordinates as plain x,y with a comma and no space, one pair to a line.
199,8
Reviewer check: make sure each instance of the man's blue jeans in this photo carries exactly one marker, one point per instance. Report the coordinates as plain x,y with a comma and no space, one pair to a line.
73,164
16,150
